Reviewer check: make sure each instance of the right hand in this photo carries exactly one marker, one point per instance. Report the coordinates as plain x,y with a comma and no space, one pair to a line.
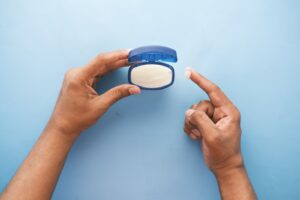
216,124
79,105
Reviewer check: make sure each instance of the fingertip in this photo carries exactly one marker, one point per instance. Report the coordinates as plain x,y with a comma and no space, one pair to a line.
192,75
134,90
196,132
188,73
189,112
193,136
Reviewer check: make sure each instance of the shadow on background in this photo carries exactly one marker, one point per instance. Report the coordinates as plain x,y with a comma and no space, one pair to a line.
111,80
147,106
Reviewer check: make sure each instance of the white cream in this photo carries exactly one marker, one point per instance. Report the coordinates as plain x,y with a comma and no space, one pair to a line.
151,76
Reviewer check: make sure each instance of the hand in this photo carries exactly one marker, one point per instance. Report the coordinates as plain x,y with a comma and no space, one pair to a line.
216,123
79,106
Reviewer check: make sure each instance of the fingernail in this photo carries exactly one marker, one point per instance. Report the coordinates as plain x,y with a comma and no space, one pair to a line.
189,112
196,132
188,73
134,90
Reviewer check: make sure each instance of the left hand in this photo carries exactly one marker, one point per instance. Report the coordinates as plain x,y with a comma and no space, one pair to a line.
78,105
216,124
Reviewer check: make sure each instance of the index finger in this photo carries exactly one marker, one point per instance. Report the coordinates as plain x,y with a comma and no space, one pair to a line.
106,62
215,94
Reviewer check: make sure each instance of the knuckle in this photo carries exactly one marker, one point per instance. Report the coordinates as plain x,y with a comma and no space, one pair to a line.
71,76
71,72
194,106
205,102
199,115
214,139
236,112
101,58
119,93
220,112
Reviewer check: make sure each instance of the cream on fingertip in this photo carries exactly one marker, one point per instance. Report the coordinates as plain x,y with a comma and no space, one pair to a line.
188,72
189,112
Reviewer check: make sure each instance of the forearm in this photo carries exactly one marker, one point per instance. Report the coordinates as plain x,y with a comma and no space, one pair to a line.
234,184
37,176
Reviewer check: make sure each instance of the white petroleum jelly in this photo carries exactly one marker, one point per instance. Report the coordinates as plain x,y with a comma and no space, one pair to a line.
151,76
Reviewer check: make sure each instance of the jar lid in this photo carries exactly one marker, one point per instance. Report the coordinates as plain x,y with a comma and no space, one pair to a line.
152,54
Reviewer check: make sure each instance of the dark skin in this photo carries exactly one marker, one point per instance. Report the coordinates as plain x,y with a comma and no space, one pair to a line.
215,123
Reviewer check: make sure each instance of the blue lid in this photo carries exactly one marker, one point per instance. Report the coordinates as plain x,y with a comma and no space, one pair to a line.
152,54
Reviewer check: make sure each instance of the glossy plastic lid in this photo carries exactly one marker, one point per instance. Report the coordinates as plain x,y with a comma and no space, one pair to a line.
152,54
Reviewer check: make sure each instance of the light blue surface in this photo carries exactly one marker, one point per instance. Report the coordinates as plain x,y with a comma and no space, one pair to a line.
138,149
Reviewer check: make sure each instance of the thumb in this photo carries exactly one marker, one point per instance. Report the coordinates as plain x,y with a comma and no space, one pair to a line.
115,94
203,123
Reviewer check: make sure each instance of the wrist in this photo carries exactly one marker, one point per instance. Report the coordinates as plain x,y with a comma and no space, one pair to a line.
58,126
233,164
226,173
234,183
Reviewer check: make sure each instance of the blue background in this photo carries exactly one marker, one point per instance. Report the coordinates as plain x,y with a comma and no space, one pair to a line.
138,150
